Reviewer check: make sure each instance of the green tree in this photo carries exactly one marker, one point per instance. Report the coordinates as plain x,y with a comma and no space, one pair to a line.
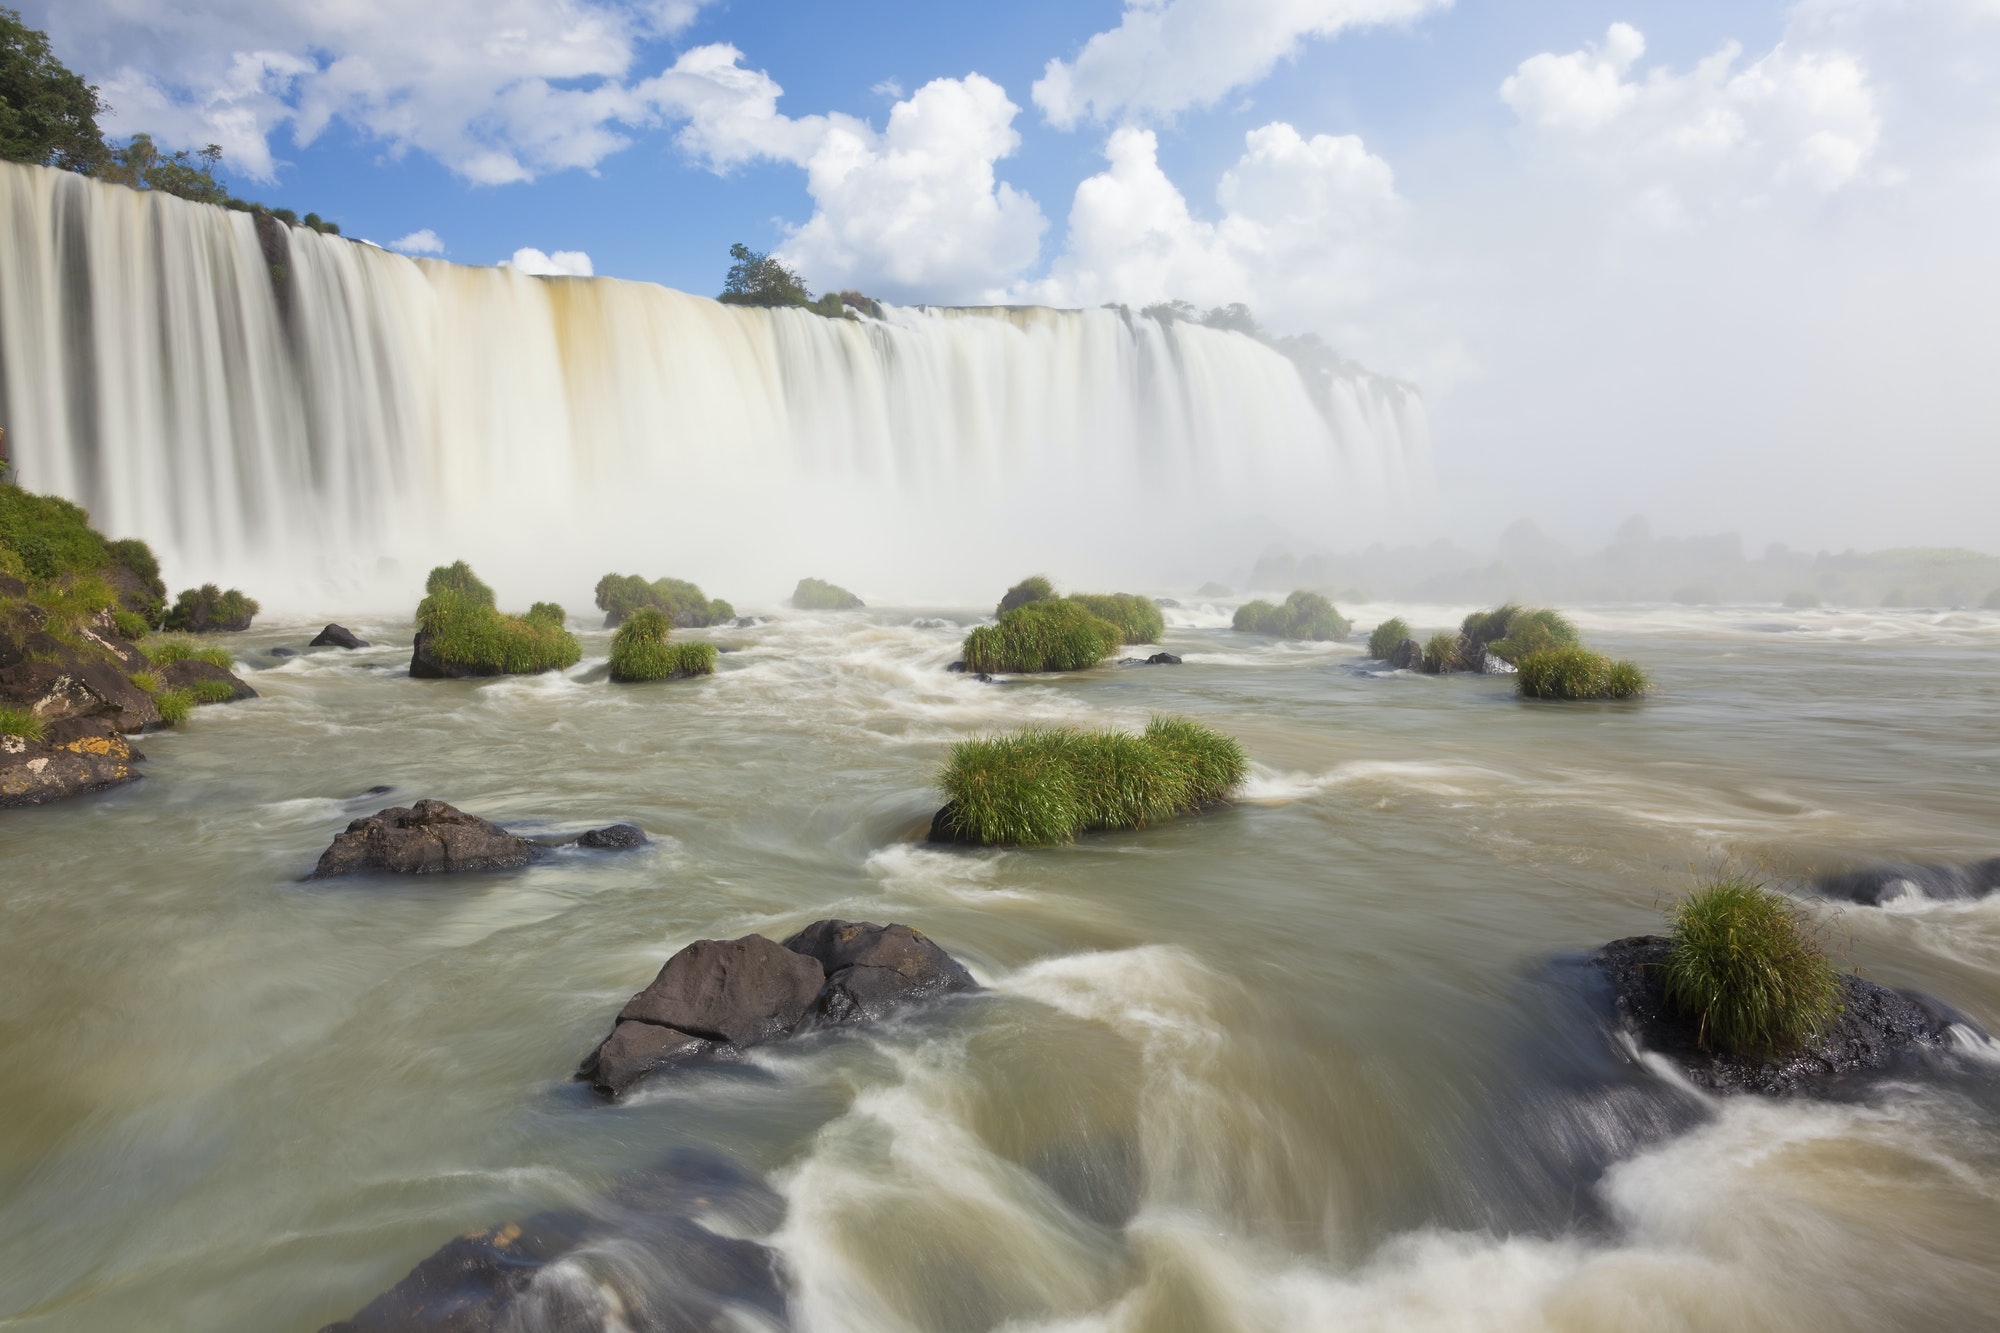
48,114
185,175
761,279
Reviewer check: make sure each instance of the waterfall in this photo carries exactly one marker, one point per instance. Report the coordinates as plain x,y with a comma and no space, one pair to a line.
318,420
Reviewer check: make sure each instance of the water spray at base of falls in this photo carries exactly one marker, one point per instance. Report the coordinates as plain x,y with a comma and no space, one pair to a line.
321,419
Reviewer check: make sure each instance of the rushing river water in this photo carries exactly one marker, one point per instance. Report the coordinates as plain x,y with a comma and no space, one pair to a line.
1292,1065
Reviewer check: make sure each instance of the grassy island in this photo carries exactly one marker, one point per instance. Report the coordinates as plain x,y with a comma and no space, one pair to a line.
1047,785
642,650
684,604
1511,632
1303,615
460,633
1054,634
1137,618
1387,637
1744,966
1576,672
819,595
210,610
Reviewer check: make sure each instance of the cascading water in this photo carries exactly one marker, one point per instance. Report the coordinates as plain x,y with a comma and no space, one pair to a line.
293,411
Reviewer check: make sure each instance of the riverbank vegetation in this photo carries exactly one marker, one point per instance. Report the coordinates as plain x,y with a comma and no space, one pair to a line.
643,649
684,604
819,595
1303,615
1046,785
1746,968
210,610
460,632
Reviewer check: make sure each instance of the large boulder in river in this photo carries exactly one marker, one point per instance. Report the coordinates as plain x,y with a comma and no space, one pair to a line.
337,636
1881,884
716,997
1879,1031
427,838
73,757
1407,656
664,1252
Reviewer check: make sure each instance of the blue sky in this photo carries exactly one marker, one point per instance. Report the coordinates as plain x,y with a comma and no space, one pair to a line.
1707,260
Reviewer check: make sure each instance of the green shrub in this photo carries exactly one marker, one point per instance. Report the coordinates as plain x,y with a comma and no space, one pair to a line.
619,595
1743,965
1137,618
73,600
165,652
1387,636
1034,588
464,630
138,557
212,691
1577,673
1802,600
1051,635
175,706
1511,632
131,624
1046,785
207,609
819,595
20,722
48,535
719,611
146,681
1443,652
641,650
1304,615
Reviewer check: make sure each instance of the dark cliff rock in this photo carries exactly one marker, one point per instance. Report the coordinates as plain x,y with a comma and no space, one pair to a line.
430,837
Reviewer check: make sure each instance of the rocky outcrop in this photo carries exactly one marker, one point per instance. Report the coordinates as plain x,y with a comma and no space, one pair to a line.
1880,1031
427,838
337,636
612,837
715,998
77,756
1880,884
191,671
644,1259
1406,656
70,686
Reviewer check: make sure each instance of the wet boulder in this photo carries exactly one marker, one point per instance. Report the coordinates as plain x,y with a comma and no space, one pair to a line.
75,757
427,838
1407,656
337,636
1881,884
871,970
1880,1031
64,684
612,837
644,1259
192,671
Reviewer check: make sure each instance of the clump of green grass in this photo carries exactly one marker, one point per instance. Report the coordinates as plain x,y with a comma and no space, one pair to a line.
620,595
1054,634
1045,785
20,722
1034,588
146,681
175,706
465,630
49,536
212,691
642,650
819,595
138,557
1303,615
208,609
1577,673
1442,653
167,651
1511,632
1138,619
131,624
1743,964
1387,636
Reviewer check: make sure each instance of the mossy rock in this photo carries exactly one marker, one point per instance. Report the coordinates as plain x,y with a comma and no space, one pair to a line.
684,604
819,595
461,634
1055,634
642,650
210,610
1303,615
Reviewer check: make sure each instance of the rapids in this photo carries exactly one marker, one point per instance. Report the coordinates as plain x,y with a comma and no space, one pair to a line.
1287,1066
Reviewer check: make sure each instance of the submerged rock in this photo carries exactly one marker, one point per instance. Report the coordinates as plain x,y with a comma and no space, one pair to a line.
1157,659
1879,1031
284,652
430,837
644,1259
716,997
337,636
74,758
1880,884
612,837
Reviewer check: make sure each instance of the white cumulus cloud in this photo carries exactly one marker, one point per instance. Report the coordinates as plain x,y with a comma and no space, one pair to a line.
560,264
1168,55
423,242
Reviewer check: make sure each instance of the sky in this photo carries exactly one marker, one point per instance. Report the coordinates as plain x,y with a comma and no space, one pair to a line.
1729,265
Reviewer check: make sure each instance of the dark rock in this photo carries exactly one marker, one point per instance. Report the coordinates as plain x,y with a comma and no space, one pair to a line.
78,756
871,970
641,1260
740,991
944,827
379,790
959,665
336,636
614,837
1879,1031
1163,659
70,686
1406,656
191,671
427,838
635,1049
1881,884
284,652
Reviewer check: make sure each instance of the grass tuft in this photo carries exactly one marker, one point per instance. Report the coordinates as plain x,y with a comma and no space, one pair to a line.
641,650
166,652
20,722
1387,636
1303,615
131,624
1138,619
1745,967
1046,785
466,631
819,595
212,691
1512,632
1034,588
1577,673
1442,653
49,537
175,706
146,681
1055,634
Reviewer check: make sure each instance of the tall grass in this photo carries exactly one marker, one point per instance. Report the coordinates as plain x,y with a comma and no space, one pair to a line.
20,722
1387,636
1045,785
1138,619
1034,588
1303,615
1744,965
167,651
1055,634
1512,632
619,595
1577,673
212,691
1442,653
175,706
466,631
642,650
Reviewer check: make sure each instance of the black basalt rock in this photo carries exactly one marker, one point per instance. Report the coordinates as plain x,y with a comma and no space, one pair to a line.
1407,656
427,838
1880,884
336,636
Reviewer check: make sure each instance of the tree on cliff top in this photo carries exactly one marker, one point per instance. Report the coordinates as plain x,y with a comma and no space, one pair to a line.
761,279
48,114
